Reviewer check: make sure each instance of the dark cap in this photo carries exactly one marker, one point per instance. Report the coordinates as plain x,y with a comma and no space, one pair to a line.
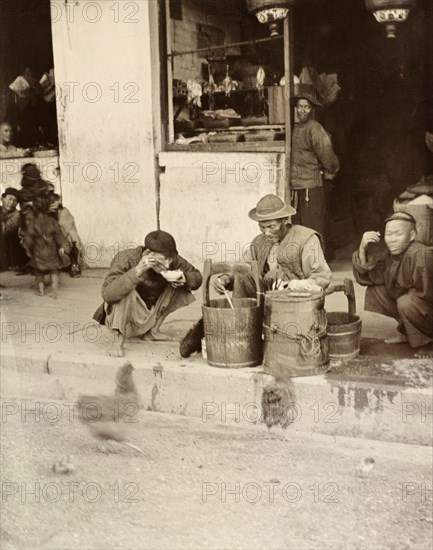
11,191
162,242
403,216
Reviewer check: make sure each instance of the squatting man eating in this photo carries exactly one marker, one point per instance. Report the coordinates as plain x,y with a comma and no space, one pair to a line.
143,286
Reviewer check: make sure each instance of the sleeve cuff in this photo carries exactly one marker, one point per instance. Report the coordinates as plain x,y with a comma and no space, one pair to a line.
363,268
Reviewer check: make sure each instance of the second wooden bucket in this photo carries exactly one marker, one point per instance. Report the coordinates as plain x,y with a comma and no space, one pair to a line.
344,329
295,334
344,335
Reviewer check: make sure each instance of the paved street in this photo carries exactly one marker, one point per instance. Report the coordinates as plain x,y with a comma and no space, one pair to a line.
205,486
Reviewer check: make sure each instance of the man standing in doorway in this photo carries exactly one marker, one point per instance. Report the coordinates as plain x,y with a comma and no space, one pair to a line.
313,161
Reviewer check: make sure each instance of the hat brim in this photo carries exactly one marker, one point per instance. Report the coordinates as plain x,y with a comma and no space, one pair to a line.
286,212
307,96
13,192
167,254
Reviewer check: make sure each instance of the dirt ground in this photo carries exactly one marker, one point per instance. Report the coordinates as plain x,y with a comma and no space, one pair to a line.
206,486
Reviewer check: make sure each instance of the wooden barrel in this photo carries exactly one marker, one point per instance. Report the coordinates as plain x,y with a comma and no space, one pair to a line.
295,334
233,336
344,335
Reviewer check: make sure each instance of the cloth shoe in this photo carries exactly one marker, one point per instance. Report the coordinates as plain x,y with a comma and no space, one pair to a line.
191,343
75,270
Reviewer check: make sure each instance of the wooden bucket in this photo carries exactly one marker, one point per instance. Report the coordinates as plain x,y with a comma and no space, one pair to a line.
344,329
233,336
295,334
344,335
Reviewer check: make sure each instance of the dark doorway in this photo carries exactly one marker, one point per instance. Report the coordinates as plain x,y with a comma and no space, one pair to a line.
26,51
379,121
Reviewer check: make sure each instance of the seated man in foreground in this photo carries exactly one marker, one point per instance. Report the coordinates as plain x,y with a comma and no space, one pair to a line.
400,282
142,287
288,257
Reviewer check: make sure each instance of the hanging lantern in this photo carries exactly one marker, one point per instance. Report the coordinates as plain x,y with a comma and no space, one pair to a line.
270,12
390,12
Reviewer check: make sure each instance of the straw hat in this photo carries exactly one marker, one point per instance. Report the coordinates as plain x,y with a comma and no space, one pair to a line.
271,207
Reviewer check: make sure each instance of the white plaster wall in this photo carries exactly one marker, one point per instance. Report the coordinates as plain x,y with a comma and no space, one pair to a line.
206,197
102,61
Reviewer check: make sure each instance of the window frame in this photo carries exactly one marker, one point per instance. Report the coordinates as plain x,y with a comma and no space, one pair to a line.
167,108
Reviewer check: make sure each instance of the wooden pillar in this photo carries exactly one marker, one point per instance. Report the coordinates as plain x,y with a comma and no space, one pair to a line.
169,65
288,77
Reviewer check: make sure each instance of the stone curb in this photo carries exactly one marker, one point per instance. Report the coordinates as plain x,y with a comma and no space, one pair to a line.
192,388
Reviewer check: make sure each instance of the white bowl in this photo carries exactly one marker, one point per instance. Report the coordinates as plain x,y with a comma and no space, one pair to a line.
172,275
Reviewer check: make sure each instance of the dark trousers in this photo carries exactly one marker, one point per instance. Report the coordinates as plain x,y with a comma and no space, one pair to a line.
15,253
313,213
414,315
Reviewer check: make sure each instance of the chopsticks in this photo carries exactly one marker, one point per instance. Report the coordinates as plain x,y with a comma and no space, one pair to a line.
226,294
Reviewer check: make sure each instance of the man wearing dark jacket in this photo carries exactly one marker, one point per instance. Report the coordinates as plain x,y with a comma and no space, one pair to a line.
399,281
142,287
312,161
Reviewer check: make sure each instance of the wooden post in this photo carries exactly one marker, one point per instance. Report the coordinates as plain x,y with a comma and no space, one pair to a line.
170,61
161,15
288,77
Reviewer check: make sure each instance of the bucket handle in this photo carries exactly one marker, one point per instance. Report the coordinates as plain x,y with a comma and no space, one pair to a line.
244,268
349,291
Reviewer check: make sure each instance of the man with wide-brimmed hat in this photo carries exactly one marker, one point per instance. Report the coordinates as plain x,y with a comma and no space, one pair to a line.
399,281
284,252
142,287
312,161
288,256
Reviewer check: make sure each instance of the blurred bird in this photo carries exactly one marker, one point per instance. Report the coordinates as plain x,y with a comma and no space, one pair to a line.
277,404
365,466
64,465
110,416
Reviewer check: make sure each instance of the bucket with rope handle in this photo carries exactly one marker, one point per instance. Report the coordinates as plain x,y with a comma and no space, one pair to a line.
295,339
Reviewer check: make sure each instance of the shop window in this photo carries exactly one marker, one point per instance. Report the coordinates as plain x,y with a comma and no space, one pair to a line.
225,78
27,89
